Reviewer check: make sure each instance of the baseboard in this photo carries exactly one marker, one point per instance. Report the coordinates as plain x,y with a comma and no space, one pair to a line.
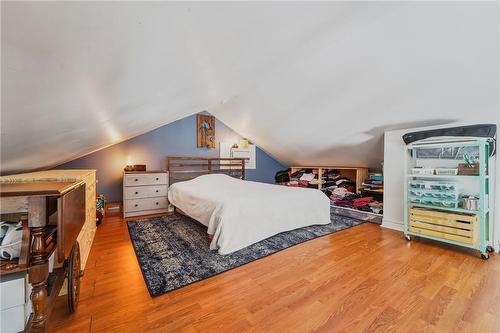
145,213
391,224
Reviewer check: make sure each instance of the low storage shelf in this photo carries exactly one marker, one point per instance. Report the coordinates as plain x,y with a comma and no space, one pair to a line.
447,191
356,174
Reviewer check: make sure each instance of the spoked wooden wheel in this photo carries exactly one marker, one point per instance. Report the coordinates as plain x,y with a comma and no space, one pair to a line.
74,277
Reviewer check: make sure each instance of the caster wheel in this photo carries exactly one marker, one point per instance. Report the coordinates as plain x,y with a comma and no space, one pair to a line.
490,249
74,273
485,256
408,237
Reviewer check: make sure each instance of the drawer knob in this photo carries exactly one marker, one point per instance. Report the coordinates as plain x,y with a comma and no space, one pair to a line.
157,178
157,191
136,180
136,192
157,203
136,205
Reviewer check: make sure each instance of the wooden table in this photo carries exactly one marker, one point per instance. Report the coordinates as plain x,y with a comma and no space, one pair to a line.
55,216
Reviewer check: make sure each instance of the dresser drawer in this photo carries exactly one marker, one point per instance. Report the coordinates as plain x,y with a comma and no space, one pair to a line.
145,179
138,192
12,292
12,319
135,205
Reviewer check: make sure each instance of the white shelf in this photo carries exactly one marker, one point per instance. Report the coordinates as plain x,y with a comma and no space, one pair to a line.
448,209
373,185
461,177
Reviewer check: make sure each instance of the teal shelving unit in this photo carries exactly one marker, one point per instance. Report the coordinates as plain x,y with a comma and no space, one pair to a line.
434,203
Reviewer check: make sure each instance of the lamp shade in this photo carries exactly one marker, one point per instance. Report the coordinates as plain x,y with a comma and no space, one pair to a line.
243,144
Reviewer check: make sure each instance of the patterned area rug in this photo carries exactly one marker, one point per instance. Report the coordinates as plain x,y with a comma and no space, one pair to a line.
173,251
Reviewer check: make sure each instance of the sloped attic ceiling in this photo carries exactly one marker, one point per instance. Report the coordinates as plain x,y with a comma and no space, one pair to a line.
310,83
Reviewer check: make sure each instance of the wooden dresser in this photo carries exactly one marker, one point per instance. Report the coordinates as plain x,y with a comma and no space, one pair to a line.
144,193
87,233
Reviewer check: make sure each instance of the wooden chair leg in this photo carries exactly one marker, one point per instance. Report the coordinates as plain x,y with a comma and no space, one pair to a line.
38,274
38,278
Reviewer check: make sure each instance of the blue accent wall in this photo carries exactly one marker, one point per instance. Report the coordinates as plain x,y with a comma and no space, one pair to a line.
174,139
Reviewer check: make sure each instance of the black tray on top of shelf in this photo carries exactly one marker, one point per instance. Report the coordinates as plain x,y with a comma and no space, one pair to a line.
480,130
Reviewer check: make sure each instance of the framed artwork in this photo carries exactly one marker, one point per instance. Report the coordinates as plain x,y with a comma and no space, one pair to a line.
206,131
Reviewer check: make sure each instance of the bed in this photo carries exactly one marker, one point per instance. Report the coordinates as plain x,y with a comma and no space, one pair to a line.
239,213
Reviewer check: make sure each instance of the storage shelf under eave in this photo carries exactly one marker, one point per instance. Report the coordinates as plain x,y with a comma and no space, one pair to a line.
373,185
456,210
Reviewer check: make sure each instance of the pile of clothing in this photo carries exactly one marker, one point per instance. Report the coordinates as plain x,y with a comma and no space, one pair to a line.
375,179
374,186
341,190
333,179
282,177
304,178
343,198
343,194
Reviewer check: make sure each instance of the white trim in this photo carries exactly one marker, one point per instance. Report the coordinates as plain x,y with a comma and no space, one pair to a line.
391,224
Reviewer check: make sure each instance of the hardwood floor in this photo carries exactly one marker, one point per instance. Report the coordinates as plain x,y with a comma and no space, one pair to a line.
364,279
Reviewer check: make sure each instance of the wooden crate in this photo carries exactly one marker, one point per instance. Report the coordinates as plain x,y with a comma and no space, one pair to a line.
462,228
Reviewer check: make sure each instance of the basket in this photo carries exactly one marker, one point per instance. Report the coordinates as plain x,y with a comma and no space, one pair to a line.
422,171
465,170
447,171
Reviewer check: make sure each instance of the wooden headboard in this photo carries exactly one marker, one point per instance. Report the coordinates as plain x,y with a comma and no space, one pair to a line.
185,168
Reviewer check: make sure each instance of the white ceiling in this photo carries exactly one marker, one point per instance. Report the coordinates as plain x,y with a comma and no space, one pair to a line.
311,83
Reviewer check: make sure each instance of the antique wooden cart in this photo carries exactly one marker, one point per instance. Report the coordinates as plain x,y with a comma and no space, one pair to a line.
55,216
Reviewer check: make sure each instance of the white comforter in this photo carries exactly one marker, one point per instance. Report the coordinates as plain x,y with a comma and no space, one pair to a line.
239,213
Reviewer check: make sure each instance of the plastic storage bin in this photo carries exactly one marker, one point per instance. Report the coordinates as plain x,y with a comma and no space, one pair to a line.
437,202
434,193
437,194
432,185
